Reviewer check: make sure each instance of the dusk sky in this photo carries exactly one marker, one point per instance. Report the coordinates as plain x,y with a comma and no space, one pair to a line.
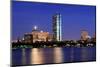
75,18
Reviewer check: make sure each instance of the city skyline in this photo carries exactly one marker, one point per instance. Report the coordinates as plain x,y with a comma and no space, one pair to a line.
75,18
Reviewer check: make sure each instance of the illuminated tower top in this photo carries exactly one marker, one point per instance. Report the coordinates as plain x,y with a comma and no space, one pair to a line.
35,28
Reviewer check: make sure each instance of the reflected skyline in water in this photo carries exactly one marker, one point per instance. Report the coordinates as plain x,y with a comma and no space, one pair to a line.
36,56
23,56
58,55
52,55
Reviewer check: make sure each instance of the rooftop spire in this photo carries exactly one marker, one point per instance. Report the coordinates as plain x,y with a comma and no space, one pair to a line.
35,28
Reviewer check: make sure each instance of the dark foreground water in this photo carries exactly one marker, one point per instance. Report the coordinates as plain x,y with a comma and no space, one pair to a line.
52,55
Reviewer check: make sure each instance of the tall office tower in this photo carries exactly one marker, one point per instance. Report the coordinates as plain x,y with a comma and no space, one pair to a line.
57,29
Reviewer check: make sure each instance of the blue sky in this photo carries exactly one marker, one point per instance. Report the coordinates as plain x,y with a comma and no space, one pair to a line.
75,18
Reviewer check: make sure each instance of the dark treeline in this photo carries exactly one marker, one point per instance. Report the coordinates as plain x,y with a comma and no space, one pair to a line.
42,44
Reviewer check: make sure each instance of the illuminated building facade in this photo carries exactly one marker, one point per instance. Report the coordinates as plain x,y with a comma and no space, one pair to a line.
85,35
57,29
37,35
43,36
40,35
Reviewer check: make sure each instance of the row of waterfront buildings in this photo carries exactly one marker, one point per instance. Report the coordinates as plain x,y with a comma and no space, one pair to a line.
39,35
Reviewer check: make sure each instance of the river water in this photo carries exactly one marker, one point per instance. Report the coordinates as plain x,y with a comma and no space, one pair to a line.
34,56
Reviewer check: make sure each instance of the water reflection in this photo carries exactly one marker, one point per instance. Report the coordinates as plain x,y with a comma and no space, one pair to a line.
84,54
58,55
36,56
52,55
23,56
72,55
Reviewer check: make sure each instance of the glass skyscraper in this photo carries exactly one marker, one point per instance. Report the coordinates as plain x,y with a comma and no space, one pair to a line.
57,27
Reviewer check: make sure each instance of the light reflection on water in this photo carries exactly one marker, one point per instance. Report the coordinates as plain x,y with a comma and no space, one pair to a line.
72,55
36,56
23,56
52,55
58,55
84,54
